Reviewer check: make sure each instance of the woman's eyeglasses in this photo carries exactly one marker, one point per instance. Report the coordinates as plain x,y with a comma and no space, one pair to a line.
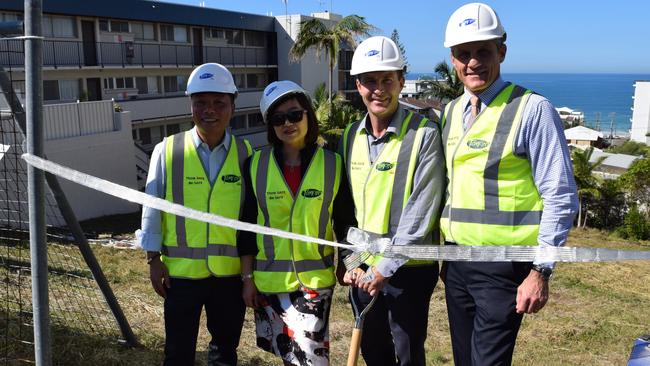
279,119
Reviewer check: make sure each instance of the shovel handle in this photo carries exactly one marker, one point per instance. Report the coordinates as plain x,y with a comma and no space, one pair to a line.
355,344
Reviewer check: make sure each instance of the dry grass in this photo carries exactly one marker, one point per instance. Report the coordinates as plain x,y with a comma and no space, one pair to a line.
595,313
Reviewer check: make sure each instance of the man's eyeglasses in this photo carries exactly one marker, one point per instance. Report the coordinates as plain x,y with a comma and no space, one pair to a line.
279,119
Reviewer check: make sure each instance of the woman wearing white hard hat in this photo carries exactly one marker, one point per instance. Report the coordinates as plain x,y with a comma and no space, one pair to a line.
293,185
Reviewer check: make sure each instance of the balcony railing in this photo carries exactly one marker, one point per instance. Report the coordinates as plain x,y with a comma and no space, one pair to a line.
79,54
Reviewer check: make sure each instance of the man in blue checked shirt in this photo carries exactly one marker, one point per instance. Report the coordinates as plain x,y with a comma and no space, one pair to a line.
510,183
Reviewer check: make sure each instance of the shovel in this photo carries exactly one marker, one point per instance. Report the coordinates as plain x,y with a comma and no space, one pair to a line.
355,341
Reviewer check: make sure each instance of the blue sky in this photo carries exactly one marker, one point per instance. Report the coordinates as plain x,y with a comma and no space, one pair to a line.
570,36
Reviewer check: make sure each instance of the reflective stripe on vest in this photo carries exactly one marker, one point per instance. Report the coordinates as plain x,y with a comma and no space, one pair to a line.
193,249
284,265
393,172
492,198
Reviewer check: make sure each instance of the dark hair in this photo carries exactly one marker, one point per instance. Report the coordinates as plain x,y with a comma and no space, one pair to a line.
312,122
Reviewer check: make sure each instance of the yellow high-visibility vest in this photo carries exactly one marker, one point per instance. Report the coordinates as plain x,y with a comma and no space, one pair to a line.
195,249
492,198
382,189
283,265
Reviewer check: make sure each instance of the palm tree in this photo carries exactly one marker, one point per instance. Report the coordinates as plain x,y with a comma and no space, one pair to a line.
333,116
586,182
447,87
314,33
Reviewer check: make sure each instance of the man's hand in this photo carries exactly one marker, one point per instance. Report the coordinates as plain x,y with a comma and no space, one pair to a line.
159,276
353,277
532,294
375,284
250,294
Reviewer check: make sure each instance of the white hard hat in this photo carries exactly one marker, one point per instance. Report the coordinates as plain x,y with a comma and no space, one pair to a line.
376,54
211,77
473,22
276,90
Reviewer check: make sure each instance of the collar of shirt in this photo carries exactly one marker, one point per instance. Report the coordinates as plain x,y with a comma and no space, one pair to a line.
200,145
487,95
394,126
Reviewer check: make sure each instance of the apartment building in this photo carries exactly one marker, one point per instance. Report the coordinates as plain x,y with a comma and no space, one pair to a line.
140,53
640,129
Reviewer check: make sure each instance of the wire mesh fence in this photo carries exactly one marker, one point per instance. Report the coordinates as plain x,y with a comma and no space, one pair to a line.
77,308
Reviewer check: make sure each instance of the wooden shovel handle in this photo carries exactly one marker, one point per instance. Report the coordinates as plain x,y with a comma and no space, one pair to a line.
355,344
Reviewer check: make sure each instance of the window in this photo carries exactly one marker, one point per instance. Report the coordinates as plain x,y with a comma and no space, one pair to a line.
59,27
173,129
215,33
152,84
141,84
50,90
238,122
145,136
235,37
174,83
255,120
255,81
240,80
255,39
143,31
60,90
114,26
119,83
173,33
9,17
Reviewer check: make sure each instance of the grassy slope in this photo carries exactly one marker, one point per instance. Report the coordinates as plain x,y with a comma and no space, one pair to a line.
595,313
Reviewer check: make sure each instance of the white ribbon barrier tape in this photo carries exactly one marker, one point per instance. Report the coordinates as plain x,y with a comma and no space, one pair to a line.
361,241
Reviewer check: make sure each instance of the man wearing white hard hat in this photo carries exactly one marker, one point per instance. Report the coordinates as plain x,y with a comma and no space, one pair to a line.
194,265
396,168
510,183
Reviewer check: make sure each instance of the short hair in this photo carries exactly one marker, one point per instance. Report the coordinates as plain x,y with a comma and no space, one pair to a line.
312,121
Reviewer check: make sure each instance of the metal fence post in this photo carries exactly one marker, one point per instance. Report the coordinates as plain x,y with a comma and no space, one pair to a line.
36,181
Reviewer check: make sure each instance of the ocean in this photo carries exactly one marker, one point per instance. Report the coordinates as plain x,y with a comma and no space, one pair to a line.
601,97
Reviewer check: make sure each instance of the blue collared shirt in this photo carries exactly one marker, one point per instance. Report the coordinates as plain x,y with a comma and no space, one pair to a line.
541,140
150,235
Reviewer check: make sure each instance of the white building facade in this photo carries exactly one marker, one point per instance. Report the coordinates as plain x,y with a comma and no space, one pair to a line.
640,130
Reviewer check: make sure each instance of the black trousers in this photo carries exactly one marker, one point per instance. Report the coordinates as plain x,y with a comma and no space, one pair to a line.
395,328
224,310
481,305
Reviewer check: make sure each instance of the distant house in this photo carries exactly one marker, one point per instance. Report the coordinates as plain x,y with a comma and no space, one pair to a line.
614,164
429,108
583,136
413,89
570,116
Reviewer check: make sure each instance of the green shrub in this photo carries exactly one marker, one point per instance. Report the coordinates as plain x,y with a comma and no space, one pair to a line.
635,225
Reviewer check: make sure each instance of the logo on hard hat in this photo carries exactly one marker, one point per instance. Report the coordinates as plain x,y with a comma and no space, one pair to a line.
372,53
271,89
467,22
207,75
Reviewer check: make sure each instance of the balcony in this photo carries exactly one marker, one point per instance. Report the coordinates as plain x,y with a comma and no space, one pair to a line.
67,54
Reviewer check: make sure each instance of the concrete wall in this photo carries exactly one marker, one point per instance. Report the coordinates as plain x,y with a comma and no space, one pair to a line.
109,156
311,70
641,113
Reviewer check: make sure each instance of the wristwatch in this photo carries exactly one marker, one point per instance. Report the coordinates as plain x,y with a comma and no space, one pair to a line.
545,271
